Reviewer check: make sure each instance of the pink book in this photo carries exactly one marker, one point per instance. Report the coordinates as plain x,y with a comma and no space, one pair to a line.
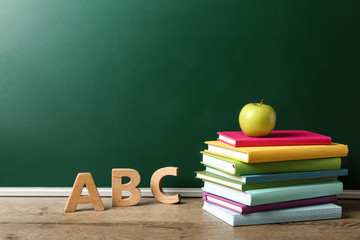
243,209
276,138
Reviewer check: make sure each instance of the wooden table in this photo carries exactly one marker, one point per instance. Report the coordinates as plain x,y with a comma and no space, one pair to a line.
44,218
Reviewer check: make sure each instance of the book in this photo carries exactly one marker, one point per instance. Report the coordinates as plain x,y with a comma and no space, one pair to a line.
276,194
250,186
275,138
273,177
306,213
277,153
236,167
243,209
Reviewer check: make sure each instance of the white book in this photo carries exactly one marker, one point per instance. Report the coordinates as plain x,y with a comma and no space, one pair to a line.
307,213
218,163
226,175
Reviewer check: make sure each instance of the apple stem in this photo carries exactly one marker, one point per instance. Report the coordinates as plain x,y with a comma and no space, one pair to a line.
261,101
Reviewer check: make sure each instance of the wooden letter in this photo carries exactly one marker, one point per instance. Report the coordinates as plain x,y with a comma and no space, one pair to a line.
75,197
156,186
118,187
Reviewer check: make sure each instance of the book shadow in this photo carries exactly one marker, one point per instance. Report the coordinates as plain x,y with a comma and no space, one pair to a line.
154,201
345,216
280,135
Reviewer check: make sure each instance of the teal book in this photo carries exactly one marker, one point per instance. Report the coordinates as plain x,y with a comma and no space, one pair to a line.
207,176
274,177
306,213
275,194
236,167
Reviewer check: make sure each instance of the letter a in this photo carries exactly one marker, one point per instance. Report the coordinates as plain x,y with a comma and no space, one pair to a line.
156,186
118,187
75,197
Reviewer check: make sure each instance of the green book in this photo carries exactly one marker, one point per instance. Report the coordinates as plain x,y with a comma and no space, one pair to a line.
235,167
250,186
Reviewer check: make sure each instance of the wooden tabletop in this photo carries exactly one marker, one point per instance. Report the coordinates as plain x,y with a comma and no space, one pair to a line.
44,218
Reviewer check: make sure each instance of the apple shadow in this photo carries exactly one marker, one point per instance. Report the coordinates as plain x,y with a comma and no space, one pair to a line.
280,135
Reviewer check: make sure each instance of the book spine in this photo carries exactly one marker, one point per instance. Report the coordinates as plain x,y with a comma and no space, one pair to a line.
290,204
322,211
287,142
241,168
243,209
298,154
317,212
294,175
278,143
288,166
262,185
282,194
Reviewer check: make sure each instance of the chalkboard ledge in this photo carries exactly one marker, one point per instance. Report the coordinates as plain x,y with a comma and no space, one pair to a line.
106,192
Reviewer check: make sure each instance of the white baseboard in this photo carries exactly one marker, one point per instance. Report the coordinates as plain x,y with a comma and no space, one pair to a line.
106,192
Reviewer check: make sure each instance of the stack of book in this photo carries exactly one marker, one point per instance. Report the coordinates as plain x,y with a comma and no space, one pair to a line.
287,176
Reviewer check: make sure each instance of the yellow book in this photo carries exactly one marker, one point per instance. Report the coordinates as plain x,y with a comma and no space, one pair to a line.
277,153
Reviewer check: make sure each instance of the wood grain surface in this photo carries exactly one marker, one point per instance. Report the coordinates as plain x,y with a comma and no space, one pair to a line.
44,218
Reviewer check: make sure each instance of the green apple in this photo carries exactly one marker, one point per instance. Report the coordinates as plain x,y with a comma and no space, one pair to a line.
257,119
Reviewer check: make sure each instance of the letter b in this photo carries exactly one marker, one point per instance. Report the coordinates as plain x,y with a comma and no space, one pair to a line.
118,187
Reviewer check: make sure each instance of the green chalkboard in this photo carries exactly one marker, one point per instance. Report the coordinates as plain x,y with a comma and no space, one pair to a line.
87,86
